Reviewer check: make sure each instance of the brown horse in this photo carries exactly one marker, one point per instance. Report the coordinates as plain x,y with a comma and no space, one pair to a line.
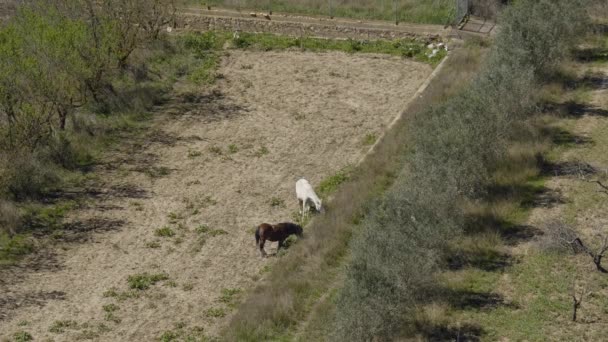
278,232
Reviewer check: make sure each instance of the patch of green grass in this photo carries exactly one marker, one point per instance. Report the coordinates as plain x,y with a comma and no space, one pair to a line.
262,151
152,244
46,218
277,202
169,336
173,217
232,148
22,336
87,335
202,229
402,47
59,327
369,139
110,307
180,333
331,184
145,280
217,232
206,70
194,154
188,287
157,172
111,317
14,248
215,313
164,232
216,150
540,290
230,296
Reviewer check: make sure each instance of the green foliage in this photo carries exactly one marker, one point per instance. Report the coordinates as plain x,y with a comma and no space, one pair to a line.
262,151
456,146
110,307
232,148
331,184
369,139
203,228
14,247
145,280
217,232
215,313
229,296
59,327
22,336
277,202
164,232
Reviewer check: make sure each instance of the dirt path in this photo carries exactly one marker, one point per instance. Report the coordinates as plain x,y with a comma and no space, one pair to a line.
222,161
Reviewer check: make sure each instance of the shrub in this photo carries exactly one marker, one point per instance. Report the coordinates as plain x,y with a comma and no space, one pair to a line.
10,218
165,232
26,177
456,147
22,336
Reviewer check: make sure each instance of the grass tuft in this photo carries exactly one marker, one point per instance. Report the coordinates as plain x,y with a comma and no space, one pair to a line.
145,280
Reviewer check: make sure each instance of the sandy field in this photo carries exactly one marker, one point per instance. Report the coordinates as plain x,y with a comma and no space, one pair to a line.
218,162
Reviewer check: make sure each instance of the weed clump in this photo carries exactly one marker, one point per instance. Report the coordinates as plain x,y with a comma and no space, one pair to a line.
164,232
145,280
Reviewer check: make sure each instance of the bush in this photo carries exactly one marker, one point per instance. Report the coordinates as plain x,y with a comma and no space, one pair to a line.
26,177
10,218
457,145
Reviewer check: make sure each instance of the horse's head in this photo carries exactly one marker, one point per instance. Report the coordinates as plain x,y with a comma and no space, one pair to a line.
318,205
297,229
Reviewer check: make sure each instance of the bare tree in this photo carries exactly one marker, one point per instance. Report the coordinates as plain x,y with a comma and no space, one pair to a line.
596,255
576,301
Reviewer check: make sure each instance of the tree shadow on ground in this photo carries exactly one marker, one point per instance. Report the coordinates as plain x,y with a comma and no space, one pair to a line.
461,333
573,109
591,55
566,168
471,300
10,302
486,260
209,107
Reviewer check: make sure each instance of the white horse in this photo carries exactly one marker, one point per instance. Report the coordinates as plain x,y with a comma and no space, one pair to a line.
306,193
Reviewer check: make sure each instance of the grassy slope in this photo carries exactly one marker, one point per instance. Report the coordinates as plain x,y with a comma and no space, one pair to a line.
410,11
513,288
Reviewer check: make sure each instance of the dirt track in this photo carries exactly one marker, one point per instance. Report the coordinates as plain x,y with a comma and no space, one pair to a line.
218,157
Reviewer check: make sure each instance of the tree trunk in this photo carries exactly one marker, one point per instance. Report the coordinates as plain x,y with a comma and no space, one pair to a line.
63,114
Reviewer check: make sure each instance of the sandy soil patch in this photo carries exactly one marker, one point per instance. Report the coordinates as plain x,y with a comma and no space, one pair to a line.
219,158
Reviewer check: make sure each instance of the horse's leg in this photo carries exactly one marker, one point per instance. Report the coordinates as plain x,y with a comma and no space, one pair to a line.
262,241
303,209
280,245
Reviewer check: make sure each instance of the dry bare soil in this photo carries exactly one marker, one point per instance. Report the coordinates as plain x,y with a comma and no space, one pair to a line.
224,159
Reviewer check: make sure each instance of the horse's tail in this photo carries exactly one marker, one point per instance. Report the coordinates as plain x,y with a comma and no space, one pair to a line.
257,236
